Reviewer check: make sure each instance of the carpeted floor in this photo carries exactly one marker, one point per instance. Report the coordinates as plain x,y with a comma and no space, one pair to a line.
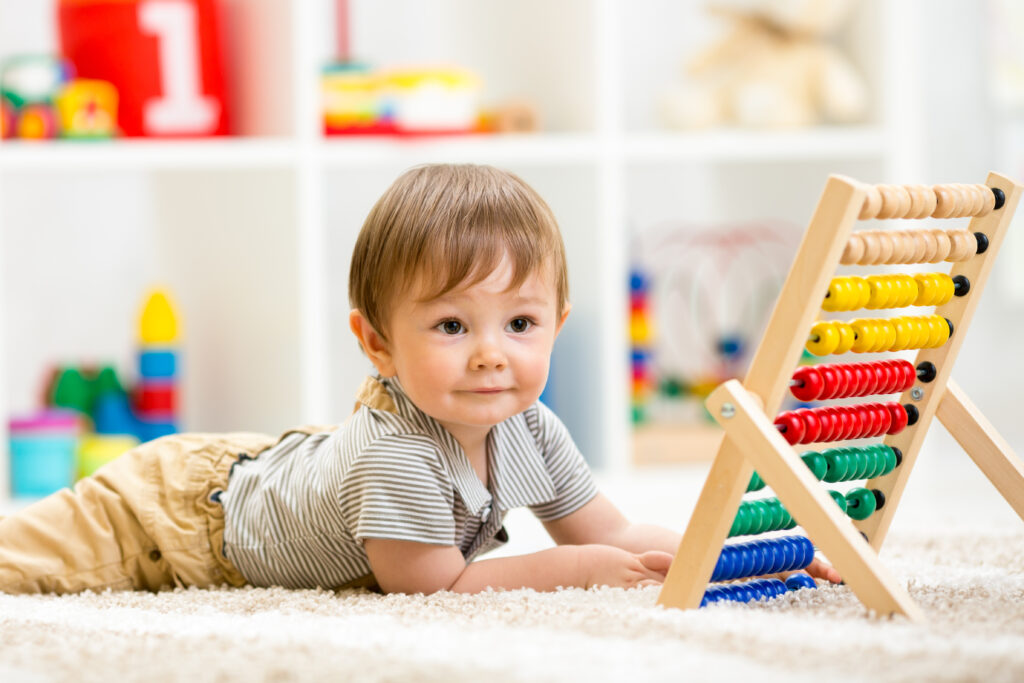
971,586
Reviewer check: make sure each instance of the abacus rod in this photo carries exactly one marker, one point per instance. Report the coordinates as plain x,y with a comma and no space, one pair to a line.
959,311
778,464
983,444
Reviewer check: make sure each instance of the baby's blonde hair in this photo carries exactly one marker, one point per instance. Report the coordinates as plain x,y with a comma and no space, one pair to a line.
440,226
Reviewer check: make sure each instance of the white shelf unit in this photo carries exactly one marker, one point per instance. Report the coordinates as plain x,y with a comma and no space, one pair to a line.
253,234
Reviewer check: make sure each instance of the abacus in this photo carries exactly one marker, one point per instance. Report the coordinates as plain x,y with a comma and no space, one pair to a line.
848,528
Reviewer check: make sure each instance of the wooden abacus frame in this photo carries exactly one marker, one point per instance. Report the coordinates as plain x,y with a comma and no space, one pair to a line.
745,410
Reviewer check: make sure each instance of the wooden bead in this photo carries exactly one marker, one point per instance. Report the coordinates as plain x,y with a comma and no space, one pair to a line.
890,201
944,246
964,245
920,247
853,251
973,200
872,203
966,201
902,246
886,248
945,201
930,202
919,195
931,248
904,201
989,203
872,247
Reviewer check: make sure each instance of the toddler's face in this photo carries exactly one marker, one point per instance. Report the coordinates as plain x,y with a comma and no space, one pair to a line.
479,354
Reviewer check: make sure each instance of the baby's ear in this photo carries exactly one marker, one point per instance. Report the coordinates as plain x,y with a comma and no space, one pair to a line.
374,345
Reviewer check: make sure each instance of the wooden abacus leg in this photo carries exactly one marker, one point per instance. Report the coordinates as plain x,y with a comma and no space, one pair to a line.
688,577
749,430
979,438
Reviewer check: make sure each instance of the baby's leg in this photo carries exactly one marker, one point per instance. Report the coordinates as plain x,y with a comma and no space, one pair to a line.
78,540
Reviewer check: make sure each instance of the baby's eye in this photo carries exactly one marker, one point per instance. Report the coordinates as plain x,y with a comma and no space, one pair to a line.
519,325
450,327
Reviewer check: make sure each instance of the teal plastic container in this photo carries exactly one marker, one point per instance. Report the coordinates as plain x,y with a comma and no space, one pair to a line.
43,452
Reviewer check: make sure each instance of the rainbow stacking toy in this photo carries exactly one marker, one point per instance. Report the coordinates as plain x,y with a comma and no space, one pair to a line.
155,400
849,527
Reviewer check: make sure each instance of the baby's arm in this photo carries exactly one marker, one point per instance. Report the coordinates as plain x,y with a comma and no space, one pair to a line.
599,521
411,567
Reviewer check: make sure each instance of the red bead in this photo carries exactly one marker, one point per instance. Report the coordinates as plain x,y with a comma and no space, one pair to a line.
845,424
791,426
862,377
884,419
908,375
831,379
858,423
898,415
876,378
847,382
812,425
828,424
809,384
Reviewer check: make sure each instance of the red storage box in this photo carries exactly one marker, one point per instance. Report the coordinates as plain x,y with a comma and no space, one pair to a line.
163,56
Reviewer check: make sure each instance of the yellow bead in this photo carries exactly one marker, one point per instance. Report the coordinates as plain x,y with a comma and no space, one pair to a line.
888,335
839,296
846,337
824,338
904,334
863,288
938,331
946,289
908,291
866,335
880,292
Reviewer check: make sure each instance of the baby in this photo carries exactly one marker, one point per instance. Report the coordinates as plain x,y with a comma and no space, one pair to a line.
459,288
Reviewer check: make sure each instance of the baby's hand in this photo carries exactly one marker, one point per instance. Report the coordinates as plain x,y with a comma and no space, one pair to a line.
820,569
605,565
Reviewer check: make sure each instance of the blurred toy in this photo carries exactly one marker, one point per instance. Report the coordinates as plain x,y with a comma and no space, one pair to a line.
87,110
6,119
29,85
42,448
775,68
163,58
709,291
41,101
155,397
641,333
96,450
414,101
514,116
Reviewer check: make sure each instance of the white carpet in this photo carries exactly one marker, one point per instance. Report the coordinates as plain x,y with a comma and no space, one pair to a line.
971,586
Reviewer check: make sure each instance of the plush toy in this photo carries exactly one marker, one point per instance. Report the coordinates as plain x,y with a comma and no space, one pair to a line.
774,68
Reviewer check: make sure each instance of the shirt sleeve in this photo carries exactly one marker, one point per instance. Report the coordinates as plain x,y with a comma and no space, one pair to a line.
573,480
398,489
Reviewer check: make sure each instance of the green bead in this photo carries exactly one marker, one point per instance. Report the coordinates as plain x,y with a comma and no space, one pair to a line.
860,464
756,483
860,503
776,514
761,518
836,463
739,523
890,459
816,463
878,454
787,520
839,498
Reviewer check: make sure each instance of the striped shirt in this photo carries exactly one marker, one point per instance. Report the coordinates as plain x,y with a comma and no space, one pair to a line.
296,515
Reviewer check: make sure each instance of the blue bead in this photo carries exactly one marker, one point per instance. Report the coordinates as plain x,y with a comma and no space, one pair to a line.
806,553
747,568
720,566
800,580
